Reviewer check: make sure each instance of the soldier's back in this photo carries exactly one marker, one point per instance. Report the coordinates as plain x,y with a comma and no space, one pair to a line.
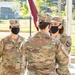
40,53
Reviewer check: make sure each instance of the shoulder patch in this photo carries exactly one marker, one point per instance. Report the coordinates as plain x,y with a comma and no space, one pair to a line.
68,44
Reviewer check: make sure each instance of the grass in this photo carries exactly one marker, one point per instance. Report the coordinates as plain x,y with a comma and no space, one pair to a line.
73,45
25,27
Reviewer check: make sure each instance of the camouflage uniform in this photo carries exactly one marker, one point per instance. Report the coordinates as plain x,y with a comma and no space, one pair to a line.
66,41
11,56
64,38
42,52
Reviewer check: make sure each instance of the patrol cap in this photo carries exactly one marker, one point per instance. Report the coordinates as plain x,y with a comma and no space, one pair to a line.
14,22
56,19
44,17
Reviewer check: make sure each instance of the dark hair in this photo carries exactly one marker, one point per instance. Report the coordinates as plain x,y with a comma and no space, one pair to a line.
9,26
43,25
61,30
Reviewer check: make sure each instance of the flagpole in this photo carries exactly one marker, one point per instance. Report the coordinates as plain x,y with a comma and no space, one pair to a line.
33,11
59,7
30,25
69,17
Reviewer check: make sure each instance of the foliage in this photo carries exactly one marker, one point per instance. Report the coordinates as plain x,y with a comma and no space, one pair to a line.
73,12
73,45
38,3
50,4
23,8
63,4
44,5
54,10
47,2
63,13
73,15
73,2
73,23
10,0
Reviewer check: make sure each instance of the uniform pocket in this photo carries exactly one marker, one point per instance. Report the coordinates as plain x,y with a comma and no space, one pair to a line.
17,66
8,46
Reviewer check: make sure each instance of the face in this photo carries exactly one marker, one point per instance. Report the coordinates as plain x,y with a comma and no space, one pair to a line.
15,29
55,27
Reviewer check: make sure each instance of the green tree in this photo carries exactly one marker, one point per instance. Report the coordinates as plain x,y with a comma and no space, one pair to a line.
43,4
24,9
47,2
74,3
63,4
38,3
10,0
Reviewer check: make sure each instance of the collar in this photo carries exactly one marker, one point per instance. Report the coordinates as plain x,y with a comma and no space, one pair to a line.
18,40
44,32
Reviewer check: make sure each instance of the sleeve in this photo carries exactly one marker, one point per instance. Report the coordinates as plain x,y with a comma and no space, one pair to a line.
1,49
66,41
62,60
24,62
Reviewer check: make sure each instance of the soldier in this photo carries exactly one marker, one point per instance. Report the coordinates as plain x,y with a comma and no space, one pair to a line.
57,31
11,63
42,52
